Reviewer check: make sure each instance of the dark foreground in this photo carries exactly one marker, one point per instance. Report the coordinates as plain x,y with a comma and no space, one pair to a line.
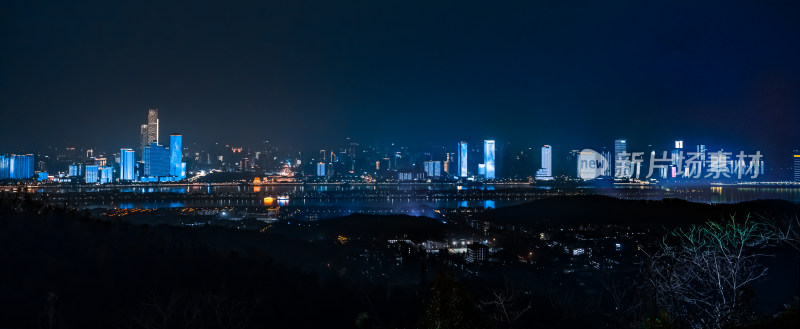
65,269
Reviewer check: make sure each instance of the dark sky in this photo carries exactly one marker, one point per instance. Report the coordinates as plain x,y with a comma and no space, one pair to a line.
566,73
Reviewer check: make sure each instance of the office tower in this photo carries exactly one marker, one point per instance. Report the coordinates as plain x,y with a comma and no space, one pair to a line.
488,158
91,175
620,146
143,139
106,174
796,158
546,172
607,171
176,165
156,161
126,164
482,169
321,169
462,159
701,149
21,166
152,126
433,168
75,170
5,167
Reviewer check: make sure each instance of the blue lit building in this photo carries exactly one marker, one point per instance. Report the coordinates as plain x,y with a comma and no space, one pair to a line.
156,161
462,159
106,175
433,168
489,159
76,170
546,172
127,163
796,165
620,146
20,166
91,175
177,168
321,169
5,167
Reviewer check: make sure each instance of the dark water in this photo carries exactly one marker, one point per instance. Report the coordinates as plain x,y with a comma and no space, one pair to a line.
401,195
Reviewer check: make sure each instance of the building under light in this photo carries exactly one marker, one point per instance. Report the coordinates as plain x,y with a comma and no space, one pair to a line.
546,172
462,159
91,175
127,163
433,168
156,161
796,158
620,147
106,174
321,169
489,159
177,168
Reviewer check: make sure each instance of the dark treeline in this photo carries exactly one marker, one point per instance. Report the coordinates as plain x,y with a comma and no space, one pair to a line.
63,269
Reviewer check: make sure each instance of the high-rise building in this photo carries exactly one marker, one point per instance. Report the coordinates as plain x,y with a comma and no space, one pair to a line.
127,163
20,166
91,174
433,168
620,146
796,158
143,139
5,167
156,161
106,174
176,166
489,158
462,159
152,126
321,169
546,172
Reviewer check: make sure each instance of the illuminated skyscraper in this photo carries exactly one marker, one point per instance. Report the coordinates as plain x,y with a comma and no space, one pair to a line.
152,126
546,172
796,158
156,161
5,167
91,174
462,159
321,169
488,158
105,174
127,163
21,166
176,166
620,146
143,139
433,168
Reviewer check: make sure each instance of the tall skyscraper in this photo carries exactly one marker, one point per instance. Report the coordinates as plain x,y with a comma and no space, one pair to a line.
489,158
152,126
156,161
20,166
106,174
91,175
796,158
127,163
462,159
546,172
144,140
433,168
176,166
620,146
5,167
321,169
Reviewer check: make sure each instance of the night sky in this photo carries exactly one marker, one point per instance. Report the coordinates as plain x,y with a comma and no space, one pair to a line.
572,75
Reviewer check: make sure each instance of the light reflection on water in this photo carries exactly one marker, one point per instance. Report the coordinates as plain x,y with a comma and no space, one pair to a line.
707,194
